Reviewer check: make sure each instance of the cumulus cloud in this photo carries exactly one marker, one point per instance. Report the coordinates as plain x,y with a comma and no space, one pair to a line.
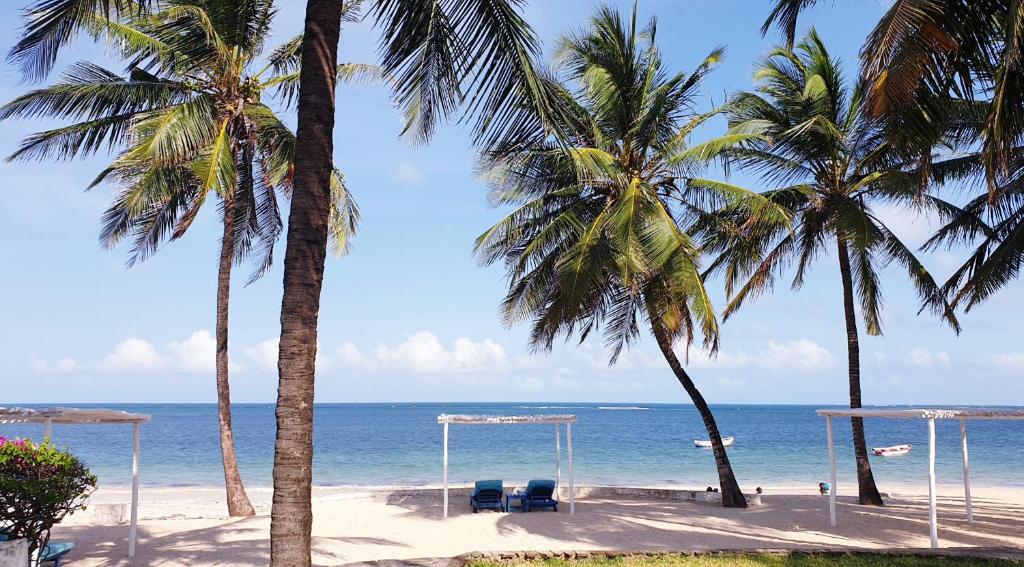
197,353
423,352
40,365
407,174
350,356
921,357
264,355
133,354
1008,361
802,355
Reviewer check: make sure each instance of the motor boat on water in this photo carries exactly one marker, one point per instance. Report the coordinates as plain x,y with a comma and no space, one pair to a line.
894,451
706,444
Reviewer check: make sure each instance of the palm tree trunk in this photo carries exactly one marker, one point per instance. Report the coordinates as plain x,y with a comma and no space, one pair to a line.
291,518
866,489
238,500
732,496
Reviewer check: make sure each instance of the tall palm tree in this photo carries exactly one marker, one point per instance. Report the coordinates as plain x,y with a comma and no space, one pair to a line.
468,56
924,51
189,120
829,163
598,236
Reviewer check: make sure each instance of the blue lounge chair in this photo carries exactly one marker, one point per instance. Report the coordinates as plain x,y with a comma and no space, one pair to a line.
55,551
540,494
487,494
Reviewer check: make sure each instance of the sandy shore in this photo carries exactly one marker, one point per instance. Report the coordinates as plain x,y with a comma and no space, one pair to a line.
187,526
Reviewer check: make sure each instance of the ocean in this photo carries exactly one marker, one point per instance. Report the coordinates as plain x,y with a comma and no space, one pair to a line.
614,444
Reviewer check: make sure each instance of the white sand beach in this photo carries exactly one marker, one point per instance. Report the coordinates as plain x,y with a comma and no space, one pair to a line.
188,526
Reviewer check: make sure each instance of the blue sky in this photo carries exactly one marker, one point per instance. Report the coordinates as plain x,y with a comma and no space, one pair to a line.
409,316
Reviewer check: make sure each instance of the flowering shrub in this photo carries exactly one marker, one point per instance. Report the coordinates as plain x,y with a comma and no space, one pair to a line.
39,486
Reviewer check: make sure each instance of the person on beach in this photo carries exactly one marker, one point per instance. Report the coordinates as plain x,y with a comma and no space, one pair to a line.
824,488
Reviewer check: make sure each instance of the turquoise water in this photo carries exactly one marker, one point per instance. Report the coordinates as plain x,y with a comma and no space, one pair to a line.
400,444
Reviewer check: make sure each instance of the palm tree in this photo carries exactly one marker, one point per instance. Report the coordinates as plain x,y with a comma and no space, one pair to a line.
189,119
922,52
830,162
471,56
596,240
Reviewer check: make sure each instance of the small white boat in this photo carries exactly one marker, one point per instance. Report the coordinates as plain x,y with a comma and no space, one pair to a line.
706,444
894,451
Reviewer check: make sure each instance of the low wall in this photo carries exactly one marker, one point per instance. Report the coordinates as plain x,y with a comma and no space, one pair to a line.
511,558
582,492
14,553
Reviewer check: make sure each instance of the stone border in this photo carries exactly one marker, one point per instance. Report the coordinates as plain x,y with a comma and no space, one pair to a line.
666,494
512,557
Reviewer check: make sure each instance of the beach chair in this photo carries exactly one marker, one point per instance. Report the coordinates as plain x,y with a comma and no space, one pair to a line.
540,494
487,494
55,551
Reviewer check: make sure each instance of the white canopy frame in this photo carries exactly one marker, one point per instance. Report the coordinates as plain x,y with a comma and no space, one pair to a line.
557,420
929,415
69,416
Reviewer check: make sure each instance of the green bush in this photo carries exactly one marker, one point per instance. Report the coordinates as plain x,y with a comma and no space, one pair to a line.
39,486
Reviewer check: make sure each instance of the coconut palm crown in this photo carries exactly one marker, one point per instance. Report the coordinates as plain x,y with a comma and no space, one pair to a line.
596,242
829,163
924,52
191,119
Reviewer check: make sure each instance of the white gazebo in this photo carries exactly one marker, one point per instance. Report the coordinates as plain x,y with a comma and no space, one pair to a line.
51,416
930,415
556,420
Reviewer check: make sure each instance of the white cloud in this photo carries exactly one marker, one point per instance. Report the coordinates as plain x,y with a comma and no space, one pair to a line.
1008,361
424,353
264,355
40,365
922,357
699,358
731,383
197,353
407,174
802,355
350,356
133,354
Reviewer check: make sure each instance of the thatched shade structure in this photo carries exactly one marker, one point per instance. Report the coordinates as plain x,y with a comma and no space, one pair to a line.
557,420
930,415
50,416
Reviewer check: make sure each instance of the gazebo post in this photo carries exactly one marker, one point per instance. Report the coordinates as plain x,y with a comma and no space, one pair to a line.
48,428
967,471
932,517
133,529
832,462
445,468
558,459
572,487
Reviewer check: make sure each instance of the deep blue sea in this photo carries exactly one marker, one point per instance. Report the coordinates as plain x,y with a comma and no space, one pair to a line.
629,444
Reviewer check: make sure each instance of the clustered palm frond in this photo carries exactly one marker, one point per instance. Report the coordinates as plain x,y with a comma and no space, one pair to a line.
830,163
992,223
596,238
924,62
188,117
